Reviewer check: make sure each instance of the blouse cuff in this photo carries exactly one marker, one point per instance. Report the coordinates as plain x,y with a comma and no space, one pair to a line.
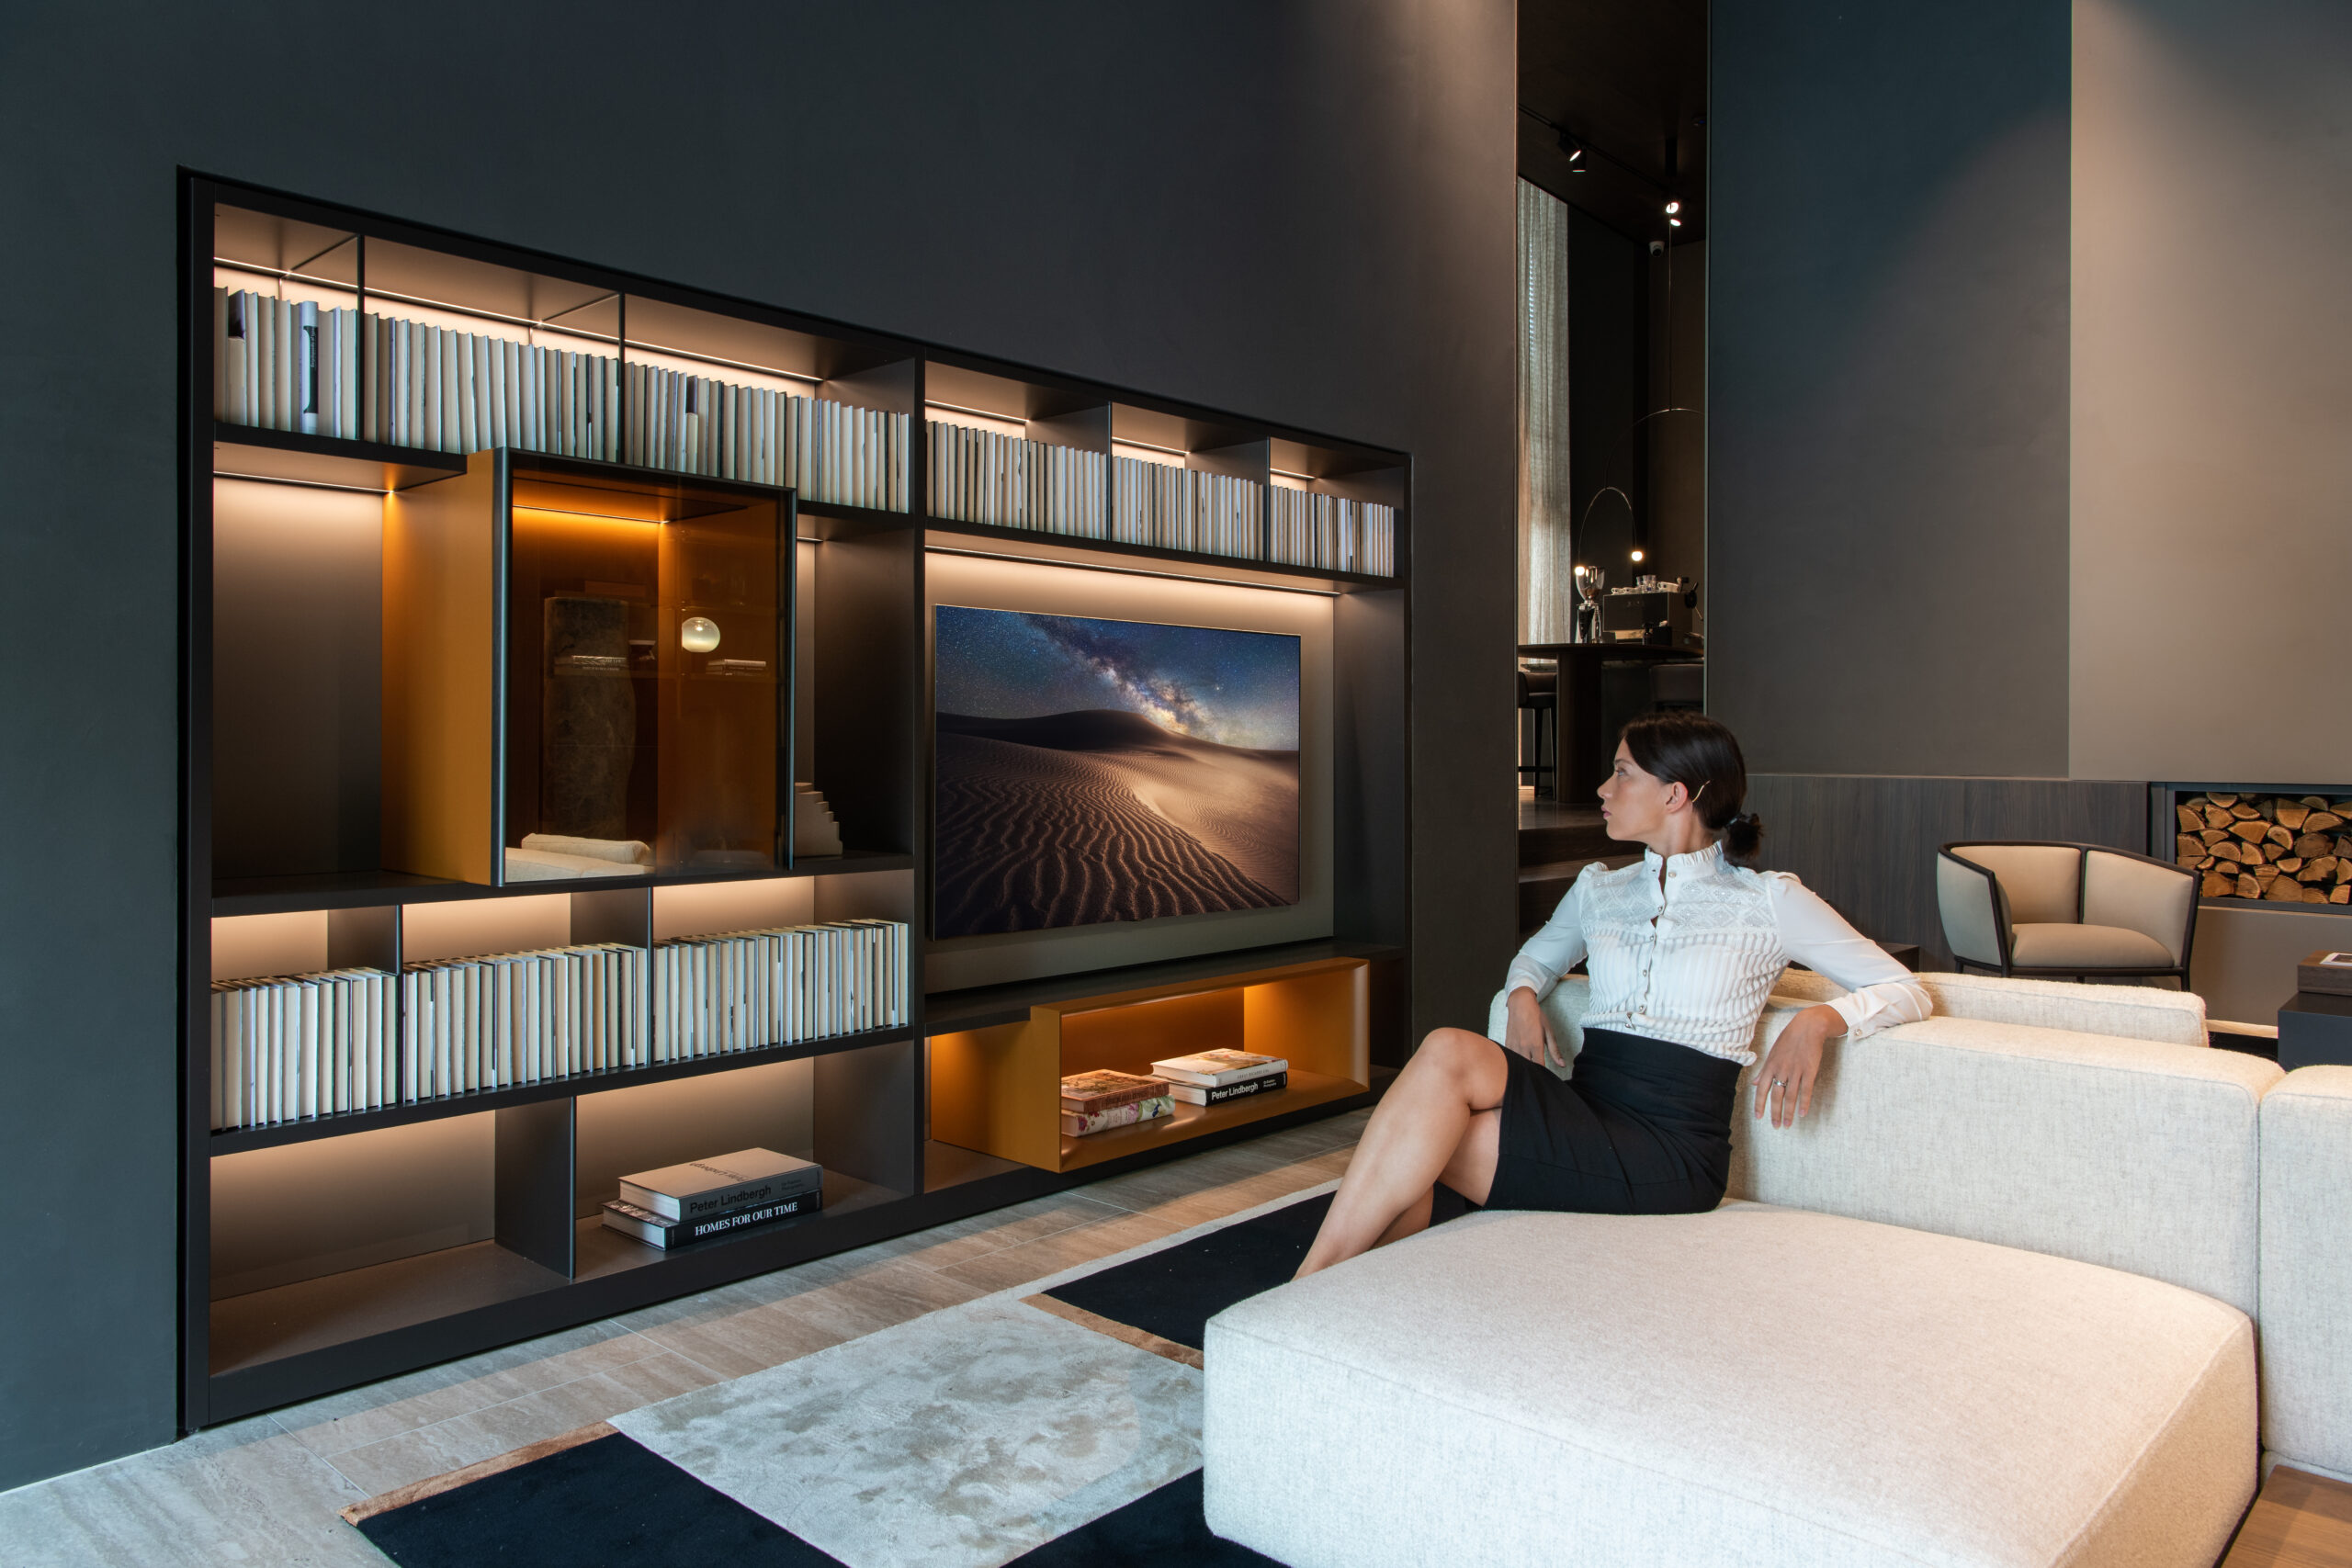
1530,976
1866,1011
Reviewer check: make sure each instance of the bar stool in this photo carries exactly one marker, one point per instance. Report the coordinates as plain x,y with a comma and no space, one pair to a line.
1539,694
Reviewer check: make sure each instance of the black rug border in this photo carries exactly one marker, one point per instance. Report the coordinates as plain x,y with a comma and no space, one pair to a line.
614,1502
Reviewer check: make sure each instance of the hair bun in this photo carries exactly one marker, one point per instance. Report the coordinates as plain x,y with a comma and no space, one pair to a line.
1742,836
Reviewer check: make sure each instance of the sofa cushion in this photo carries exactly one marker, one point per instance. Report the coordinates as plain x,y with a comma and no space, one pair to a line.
1754,1385
2066,945
2124,1153
2307,1270
2131,1012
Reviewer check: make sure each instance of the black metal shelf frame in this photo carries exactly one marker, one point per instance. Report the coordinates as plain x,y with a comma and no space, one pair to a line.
870,722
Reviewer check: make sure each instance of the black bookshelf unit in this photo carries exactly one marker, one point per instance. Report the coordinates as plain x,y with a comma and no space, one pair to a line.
330,1250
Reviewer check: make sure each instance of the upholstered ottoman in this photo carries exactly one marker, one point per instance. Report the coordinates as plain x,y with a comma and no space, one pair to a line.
1754,1385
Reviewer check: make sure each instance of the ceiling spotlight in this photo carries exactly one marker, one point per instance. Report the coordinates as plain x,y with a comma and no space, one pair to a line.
1672,207
1637,557
1573,149
1674,222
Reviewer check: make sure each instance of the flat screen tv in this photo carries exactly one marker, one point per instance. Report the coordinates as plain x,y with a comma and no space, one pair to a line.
1091,771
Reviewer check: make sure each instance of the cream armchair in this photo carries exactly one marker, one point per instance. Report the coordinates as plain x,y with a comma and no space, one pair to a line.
2048,909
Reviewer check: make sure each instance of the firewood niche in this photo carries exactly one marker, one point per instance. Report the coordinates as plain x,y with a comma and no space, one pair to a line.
2281,849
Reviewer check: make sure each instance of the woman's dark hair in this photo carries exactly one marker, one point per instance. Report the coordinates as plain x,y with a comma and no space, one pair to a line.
1677,746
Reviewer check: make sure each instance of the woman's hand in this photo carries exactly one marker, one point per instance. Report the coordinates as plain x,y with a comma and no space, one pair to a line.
1784,1083
1526,1032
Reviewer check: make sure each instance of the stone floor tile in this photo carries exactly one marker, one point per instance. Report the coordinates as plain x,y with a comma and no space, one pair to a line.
1063,1250
943,1247
244,1492
344,1421
749,1340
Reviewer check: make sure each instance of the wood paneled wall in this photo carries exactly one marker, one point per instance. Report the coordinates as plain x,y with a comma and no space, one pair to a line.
1868,844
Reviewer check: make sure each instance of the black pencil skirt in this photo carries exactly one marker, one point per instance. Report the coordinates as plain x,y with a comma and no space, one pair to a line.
1643,1128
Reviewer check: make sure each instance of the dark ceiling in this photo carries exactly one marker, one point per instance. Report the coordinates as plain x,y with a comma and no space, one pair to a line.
1628,80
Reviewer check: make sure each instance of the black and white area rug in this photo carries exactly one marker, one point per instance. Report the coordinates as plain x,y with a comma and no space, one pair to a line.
1055,1426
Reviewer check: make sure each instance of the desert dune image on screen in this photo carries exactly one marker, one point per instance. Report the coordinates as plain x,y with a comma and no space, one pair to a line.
1093,770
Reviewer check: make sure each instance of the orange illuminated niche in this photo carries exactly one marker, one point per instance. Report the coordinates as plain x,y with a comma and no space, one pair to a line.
579,656
998,1090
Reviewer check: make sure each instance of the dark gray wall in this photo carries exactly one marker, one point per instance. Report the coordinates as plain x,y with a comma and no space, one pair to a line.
1887,385
1300,212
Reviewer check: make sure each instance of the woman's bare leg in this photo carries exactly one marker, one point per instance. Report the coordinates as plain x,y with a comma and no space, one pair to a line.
1428,1126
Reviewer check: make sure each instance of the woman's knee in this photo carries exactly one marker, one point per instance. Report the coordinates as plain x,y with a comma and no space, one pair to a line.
1457,1052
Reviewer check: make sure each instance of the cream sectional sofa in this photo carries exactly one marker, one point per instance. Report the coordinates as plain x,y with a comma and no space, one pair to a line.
1993,1303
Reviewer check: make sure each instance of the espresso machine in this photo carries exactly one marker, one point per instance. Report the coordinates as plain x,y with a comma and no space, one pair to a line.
1654,610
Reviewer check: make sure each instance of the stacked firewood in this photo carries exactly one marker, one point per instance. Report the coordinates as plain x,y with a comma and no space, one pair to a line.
2280,849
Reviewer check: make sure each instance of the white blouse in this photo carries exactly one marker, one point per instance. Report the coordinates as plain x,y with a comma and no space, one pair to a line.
1692,958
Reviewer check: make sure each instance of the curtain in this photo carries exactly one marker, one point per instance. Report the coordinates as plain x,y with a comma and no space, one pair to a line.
1546,552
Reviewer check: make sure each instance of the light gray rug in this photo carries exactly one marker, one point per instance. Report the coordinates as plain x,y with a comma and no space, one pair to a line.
960,1439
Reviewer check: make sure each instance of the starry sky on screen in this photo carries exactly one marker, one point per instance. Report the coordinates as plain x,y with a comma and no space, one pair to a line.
1235,688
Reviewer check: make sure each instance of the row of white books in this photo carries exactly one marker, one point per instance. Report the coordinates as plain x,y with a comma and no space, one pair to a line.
1333,532
295,364
298,1045
286,1048
745,990
1185,509
505,1018
980,476
826,450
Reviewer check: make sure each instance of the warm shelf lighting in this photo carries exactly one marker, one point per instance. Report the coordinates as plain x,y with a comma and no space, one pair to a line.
1136,571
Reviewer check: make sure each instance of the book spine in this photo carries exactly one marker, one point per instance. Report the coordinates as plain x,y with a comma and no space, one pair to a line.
657,1231
718,1225
1112,1100
1128,1115
719,1200
1193,1094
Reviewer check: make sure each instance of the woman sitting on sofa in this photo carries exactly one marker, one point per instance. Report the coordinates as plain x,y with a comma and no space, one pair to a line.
1683,949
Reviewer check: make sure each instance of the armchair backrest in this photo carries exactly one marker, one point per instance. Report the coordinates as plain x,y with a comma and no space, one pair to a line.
2041,882
1977,918
2157,900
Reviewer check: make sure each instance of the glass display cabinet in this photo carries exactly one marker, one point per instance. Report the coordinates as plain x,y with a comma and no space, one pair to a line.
585,673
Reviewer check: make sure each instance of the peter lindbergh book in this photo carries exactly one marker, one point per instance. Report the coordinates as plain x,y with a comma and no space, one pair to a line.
703,1188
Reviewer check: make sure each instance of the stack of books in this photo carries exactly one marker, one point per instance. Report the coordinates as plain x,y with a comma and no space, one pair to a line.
291,1047
469,1024
1328,531
1212,1077
747,990
1098,1101
1184,509
296,365
980,476
682,1203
